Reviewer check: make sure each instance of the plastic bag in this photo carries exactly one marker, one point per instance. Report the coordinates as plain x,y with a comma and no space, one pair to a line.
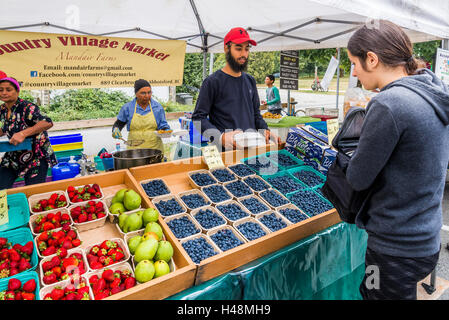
356,97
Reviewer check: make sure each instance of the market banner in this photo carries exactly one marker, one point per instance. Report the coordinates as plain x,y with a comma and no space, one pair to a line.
64,61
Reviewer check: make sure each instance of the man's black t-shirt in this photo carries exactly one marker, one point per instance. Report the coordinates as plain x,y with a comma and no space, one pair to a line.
230,102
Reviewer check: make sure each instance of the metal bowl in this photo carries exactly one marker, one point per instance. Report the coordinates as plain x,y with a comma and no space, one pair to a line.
136,157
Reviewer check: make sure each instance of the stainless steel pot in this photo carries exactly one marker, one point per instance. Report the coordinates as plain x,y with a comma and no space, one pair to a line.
136,157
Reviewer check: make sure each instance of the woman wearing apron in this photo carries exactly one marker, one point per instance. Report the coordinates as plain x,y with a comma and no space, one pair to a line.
142,116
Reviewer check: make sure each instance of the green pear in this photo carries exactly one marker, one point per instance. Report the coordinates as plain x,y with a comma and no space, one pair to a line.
150,215
154,227
146,250
133,243
134,222
144,271
131,200
119,196
122,219
161,268
164,251
117,208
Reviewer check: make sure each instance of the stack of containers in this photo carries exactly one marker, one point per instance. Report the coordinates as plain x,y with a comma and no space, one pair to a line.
67,145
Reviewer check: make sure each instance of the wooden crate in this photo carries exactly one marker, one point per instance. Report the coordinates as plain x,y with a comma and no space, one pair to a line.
110,182
175,174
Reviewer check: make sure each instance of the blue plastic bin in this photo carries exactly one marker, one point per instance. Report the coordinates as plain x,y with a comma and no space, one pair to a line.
18,212
5,146
21,236
68,138
23,277
65,170
108,164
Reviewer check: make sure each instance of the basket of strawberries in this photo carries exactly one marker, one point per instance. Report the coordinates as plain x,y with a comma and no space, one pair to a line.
75,288
56,241
89,215
84,193
49,220
61,267
48,201
106,253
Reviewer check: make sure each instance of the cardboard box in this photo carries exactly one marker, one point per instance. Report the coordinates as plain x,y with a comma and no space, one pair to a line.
315,132
306,143
111,182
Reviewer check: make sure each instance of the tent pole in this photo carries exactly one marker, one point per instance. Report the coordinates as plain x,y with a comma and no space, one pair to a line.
211,63
338,75
205,56
445,44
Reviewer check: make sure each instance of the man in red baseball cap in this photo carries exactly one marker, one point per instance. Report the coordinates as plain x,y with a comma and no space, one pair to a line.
228,102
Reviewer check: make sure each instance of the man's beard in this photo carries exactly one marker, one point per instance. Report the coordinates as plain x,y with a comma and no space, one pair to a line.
235,66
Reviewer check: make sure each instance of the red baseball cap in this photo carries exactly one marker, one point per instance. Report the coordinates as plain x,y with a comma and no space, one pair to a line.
2,75
238,35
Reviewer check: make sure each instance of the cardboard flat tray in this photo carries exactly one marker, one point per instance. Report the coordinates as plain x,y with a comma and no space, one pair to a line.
111,182
175,174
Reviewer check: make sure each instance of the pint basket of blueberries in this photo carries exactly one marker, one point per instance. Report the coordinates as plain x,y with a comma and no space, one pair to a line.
200,247
155,187
208,218
183,225
226,238
193,199
201,178
169,205
250,228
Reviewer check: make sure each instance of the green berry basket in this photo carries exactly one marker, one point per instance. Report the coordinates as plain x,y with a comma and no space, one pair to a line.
21,236
23,277
310,169
273,156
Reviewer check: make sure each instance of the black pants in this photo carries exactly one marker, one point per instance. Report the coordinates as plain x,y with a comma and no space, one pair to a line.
8,176
394,278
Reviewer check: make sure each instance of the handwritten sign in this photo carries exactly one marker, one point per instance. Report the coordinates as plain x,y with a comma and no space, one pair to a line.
332,129
4,218
212,157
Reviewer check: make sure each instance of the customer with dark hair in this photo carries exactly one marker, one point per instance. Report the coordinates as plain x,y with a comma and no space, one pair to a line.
273,98
142,117
20,119
402,158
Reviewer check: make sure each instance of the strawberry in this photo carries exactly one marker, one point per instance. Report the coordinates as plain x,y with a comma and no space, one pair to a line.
71,189
96,187
57,271
48,226
14,255
100,285
115,283
82,218
29,286
116,289
28,248
101,215
49,251
66,227
24,265
49,277
57,293
43,236
37,208
71,296
130,282
13,272
97,195
28,296
96,265
3,242
47,265
67,244
118,256
93,279
14,284
56,261
101,295
65,217
18,295
108,275
70,261
61,252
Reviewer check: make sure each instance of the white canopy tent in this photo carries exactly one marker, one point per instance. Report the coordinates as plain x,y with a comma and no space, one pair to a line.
275,25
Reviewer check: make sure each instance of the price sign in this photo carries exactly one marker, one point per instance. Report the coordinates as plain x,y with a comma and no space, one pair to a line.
4,218
212,157
332,129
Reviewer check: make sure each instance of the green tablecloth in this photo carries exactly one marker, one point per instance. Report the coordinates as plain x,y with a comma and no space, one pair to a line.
326,265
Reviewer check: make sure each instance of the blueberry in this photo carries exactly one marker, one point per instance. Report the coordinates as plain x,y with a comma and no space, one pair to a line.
272,222
194,200
169,207
285,184
294,215
256,183
309,177
226,239
182,227
202,179
254,205
208,219
241,170
251,230
232,211
216,193
310,202
273,198
223,175
155,188
198,249
238,189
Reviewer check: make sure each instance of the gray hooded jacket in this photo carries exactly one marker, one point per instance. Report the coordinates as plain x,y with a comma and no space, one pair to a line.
402,157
